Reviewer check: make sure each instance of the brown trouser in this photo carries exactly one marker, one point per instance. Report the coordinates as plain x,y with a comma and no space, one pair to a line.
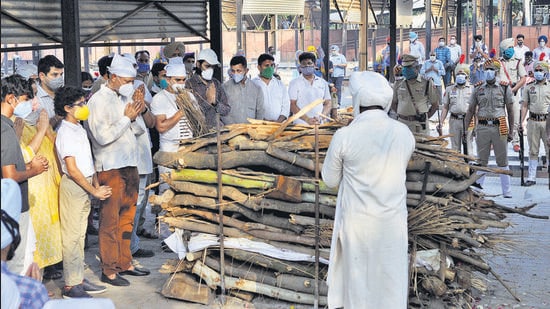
117,218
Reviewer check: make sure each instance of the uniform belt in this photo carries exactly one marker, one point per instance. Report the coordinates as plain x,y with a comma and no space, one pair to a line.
408,118
488,122
457,116
538,117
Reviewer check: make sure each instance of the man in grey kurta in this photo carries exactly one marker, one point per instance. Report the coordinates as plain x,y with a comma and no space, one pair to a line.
245,97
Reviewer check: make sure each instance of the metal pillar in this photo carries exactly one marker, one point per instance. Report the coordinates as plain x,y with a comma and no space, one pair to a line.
428,28
490,17
239,30
216,42
325,21
459,18
71,42
363,36
509,18
393,36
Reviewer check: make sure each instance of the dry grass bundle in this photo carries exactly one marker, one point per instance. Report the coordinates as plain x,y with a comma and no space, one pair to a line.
192,112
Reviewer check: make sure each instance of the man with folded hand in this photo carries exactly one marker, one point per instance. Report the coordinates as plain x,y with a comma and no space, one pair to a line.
113,129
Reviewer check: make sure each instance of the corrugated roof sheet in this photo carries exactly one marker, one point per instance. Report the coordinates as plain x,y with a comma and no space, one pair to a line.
279,7
35,21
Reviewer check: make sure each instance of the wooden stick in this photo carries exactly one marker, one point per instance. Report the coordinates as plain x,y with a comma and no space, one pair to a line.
504,285
220,209
317,219
299,114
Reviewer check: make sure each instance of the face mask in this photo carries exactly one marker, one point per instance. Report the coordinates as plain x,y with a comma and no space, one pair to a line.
453,42
542,43
207,74
520,43
87,88
237,78
126,90
163,84
267,72
307,71
143,67
82,113
55,83
178,87
538,76
490,75
461,79
432,58
23,109
189,67
508,53
409,73
478,44
441,44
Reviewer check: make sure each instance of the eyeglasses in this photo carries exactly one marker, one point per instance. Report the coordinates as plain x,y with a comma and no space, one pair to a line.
79,103
179,79
539,70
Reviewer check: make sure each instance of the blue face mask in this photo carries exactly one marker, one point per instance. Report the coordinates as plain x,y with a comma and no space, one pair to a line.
461,79
409,72
143,67
23,109
307,71
237,78
490,75
538,76
163,84
508,53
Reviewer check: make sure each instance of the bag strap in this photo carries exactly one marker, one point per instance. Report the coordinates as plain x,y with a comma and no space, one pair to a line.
505,71
412,97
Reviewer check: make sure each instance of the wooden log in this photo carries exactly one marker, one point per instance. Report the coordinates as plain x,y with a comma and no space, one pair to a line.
478,263
290,157
434,285
184,287
324,199
213,279
206,190
277,265
303,220
455,169
232,159
210,177
299,114
241,142
451,186
294,208
260,274
211,203
209,139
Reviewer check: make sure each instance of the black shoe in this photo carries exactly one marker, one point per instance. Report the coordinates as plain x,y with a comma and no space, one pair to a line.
136,272
477,185
118,281
92,288
76,291
143,253
529,183
147,234
51,273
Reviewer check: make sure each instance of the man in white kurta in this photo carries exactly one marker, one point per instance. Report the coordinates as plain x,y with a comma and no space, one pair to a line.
368,160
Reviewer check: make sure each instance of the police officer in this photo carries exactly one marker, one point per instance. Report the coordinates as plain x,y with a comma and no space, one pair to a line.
536,99
455,101
513,74
493,105
415,99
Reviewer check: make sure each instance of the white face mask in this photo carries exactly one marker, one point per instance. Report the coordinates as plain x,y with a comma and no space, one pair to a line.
453,42
178,87
207,74
542,43
126,90
432,58
441,44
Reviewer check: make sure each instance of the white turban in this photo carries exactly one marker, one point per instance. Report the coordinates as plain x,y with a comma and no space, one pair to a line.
175,70
122,66
370,89
27,70
11,204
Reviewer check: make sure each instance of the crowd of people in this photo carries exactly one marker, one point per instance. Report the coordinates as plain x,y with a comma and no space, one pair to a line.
69,148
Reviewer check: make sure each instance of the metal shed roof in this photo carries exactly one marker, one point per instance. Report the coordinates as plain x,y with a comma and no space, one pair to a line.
39,21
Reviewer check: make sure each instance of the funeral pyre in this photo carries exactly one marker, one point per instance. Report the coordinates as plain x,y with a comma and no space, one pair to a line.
266,204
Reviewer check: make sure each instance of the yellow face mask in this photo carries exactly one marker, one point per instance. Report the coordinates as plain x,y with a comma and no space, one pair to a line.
82,113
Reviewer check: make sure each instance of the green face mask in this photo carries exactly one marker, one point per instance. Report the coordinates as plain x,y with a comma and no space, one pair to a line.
267,72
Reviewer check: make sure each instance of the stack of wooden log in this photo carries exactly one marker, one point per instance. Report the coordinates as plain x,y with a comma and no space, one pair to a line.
265,207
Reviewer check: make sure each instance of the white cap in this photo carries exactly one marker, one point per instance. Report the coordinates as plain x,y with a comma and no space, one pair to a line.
122,66
209,56
27,70
11,204
175,70
130,57
370,89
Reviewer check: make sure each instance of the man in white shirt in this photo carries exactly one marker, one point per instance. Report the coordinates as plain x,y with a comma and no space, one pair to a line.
520,48
50,73
416,48
339,72
276,100
307,88
456,52
112,129
171,122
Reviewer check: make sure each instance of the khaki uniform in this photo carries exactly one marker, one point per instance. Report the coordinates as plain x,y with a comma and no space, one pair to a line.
516,71
413,110
491,101
537,97
456,101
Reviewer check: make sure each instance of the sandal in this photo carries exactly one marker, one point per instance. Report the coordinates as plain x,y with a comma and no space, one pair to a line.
148,234
52,274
